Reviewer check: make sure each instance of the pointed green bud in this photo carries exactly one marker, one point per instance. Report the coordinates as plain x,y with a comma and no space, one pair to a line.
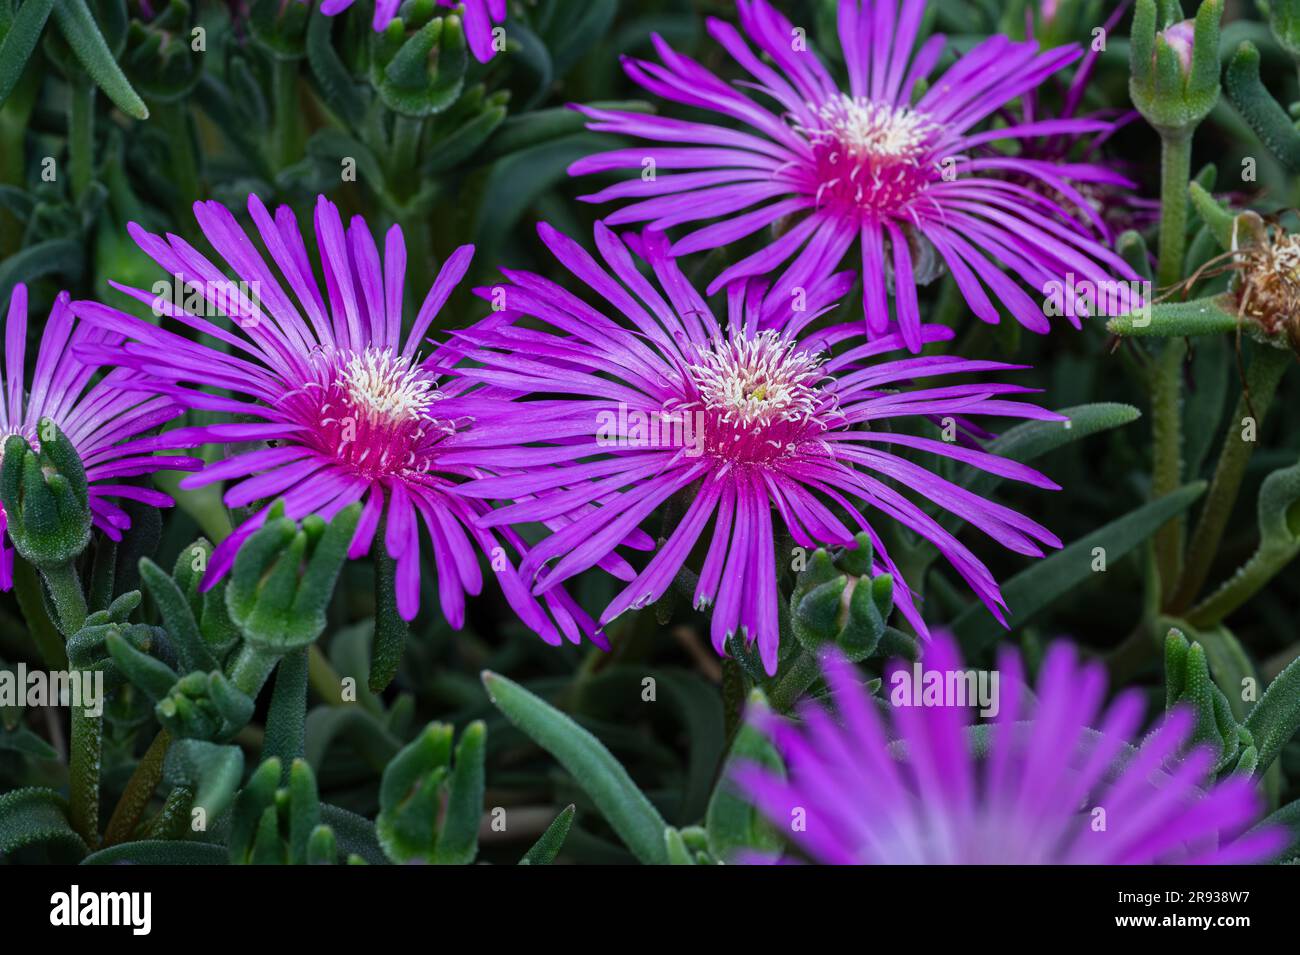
255,822
204,706
1188,683
431,804
418,67
1174,64
837,600
45,497
283,580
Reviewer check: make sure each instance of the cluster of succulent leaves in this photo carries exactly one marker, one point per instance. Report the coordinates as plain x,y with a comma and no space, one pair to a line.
286,715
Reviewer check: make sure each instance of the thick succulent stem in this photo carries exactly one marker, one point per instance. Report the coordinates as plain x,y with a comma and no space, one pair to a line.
1262,379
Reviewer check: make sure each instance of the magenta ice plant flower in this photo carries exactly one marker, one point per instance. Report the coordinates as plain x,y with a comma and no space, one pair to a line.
480,18
327,400
911,173
105,419
1110,203
623,406
1057,781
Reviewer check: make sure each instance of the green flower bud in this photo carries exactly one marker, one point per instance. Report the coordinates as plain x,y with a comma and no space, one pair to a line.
45,497
417,65
837,600
161,59
1174,64
430,805
280,28
283,579
273,825
204,706
88,647
207,606
1188,682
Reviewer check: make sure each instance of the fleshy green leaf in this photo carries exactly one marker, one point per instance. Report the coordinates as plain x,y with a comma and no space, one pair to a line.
548,846
591,765
31,817
1043,582
83,34
159,852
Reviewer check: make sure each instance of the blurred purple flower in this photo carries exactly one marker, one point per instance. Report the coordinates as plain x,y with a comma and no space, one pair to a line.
103,421
349,408
1047,789
1110,202
748,419
907,176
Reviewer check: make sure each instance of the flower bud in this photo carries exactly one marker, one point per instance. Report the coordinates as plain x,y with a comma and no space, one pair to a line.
430,805
1174,66
271,824
46,497
88,647
1188,683
284,576
204,706
417,65
838,600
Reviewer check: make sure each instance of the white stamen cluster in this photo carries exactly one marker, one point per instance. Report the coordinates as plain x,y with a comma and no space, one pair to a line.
386,385
755,382
870,130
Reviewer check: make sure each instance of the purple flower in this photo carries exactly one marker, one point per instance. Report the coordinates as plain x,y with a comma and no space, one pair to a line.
618,409
1058,782
480,15
337,399
1101,193
904,174
103,421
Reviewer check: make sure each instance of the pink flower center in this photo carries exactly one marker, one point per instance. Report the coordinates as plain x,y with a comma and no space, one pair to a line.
758,399
372,410
871,158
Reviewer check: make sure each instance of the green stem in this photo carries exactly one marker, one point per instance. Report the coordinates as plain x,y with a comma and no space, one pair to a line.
323,678
174,120
81,134
1250,579
407,133
734,693
1167,455
391,630
1167,382
49,643
69,600
87,732
139,790
287,131
103,573
83,774
795,682
251,669
1175,175
1262,379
